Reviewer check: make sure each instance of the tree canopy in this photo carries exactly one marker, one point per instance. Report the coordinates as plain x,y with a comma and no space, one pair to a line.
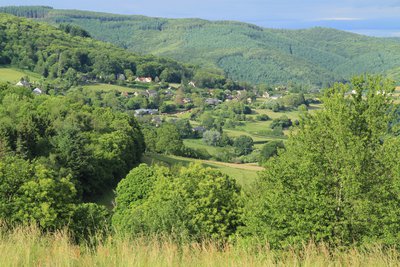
193,204
338,179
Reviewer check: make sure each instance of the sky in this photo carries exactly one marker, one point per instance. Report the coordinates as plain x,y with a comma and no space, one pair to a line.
370,17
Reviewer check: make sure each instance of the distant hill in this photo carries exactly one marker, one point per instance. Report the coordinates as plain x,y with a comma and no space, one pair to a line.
316,56
64,55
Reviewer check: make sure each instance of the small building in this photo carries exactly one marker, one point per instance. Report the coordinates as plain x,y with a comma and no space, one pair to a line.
144,111
212,101
199,130
168,92
241,92
191,83
266,95
229,97
151,93
37,91
187,100
275,97
23,83
144,79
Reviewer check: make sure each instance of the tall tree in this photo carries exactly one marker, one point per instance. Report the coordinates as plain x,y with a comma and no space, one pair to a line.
338,180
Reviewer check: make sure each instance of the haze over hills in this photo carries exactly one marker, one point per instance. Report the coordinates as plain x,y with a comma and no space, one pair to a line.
316,56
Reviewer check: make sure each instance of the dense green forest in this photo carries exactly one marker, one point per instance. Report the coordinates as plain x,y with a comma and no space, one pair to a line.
57,151
69,54
244,52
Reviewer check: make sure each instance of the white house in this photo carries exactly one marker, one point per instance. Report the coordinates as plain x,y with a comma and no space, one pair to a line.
144,79
37,91
23,83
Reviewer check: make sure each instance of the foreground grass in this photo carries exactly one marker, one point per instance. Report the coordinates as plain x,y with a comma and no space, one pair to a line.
27,247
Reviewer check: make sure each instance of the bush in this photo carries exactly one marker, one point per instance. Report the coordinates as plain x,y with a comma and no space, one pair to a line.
90,222
192,204
262,117
243,145
194,153
283,122
273,105
212,137
225,155
269,149
167,108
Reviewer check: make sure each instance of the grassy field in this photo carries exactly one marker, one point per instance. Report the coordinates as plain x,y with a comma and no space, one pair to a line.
13,75
28,247
199,144
103,87
244,174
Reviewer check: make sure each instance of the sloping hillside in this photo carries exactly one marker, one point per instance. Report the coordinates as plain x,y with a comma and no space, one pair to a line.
55,54
244,51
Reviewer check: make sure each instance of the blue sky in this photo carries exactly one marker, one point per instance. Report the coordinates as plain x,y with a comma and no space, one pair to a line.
371,17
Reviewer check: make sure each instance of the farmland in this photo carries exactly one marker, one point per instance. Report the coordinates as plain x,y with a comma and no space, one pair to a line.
13,75
245,174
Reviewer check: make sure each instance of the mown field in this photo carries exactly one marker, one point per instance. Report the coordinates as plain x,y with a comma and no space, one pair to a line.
28,247
245,174
13,75
103,87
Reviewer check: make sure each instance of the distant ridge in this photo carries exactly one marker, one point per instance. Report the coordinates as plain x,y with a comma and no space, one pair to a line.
315,57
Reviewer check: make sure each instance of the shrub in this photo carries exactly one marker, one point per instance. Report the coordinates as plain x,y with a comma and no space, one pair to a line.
243,145
192,204
262,117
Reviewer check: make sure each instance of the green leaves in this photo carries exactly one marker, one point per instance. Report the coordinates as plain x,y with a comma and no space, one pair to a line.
97,146
193,203
338,179
31,193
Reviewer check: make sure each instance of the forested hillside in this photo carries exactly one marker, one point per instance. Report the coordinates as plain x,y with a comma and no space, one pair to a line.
68,53
245,52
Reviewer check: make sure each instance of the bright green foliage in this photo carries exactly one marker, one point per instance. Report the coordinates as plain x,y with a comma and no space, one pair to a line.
194,203
136,186
338,180
97,146
134,190
31,193
270,149
168,139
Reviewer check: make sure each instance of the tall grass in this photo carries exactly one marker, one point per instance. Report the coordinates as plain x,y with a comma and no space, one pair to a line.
28,247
